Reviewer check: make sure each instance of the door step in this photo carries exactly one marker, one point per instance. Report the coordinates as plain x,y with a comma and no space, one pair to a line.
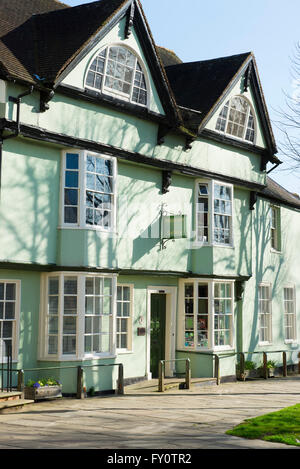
12,402
151,386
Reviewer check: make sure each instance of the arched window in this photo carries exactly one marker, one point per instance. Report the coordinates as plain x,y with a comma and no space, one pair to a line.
116,71
236,118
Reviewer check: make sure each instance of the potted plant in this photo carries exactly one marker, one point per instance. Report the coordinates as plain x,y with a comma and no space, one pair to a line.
44,388
271,365
249,370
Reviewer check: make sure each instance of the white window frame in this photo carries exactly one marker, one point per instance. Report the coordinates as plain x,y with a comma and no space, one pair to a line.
211,213
119,94
80,325
16,320
250,108
293,314
275,228
211,315
267,315
81,213
129,319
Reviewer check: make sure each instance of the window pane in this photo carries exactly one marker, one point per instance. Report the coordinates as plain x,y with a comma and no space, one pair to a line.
71,179
69,345
10,291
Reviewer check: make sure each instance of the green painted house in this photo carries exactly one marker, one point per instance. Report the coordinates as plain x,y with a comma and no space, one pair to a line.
138,222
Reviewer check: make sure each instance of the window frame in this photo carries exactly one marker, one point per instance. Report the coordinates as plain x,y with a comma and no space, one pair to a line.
294,315
275,230
115,93
129,319
80,353
250,108
269,315
211,346
211,213
82,189
16,320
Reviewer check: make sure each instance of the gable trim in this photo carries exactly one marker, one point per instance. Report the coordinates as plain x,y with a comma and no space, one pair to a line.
250,72
148,47
79,55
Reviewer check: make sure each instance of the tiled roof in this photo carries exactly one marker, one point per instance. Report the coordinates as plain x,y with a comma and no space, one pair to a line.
14,13
46,42
277,192
198,85
168,57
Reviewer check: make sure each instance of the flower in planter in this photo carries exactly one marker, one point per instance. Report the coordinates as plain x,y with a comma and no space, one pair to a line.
43,382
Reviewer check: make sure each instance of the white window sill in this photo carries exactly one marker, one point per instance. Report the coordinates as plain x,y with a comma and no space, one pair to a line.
291,341
275,251
77,359
87,228
124,352
208,350
198,244
264,344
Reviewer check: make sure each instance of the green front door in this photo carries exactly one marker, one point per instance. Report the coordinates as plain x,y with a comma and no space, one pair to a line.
158,331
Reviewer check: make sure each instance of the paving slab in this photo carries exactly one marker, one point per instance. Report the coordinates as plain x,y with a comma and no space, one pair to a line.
177,419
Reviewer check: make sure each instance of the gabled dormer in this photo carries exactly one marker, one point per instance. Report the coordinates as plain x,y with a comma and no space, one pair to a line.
62,49
222,99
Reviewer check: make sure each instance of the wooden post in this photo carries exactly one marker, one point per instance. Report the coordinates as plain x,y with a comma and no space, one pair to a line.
265,361
242,365
217,369
80,393
161,375
121,379
284,365
187,373
21,380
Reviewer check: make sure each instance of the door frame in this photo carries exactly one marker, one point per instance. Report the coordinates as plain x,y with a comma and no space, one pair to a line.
170,339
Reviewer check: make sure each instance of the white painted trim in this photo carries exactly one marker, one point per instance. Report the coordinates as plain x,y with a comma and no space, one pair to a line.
16,321
109,91
211,184
211,346
241,139
171,308
130,320
80,355
81,224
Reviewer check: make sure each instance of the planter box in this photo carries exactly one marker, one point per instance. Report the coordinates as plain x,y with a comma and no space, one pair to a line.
271,372
44,392
247,374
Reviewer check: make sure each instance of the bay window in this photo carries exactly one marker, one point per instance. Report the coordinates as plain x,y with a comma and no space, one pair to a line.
214,213
79,316
88,190
207,314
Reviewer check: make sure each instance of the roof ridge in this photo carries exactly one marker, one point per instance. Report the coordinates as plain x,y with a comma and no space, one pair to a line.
246,54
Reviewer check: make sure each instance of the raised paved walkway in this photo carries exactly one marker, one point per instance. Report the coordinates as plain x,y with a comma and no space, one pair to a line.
177,419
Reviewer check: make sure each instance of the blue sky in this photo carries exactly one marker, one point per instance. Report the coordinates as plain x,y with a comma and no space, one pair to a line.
200,30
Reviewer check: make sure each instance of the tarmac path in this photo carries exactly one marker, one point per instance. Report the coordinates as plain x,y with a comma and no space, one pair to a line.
177,419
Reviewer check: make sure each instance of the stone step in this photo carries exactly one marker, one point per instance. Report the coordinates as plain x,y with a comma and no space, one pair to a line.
10,395
13,405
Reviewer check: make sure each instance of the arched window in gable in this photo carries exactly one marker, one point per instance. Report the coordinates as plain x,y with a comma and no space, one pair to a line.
116,71
236,118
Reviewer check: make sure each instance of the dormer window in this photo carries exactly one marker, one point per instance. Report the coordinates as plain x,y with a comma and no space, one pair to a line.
236,118
116,71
